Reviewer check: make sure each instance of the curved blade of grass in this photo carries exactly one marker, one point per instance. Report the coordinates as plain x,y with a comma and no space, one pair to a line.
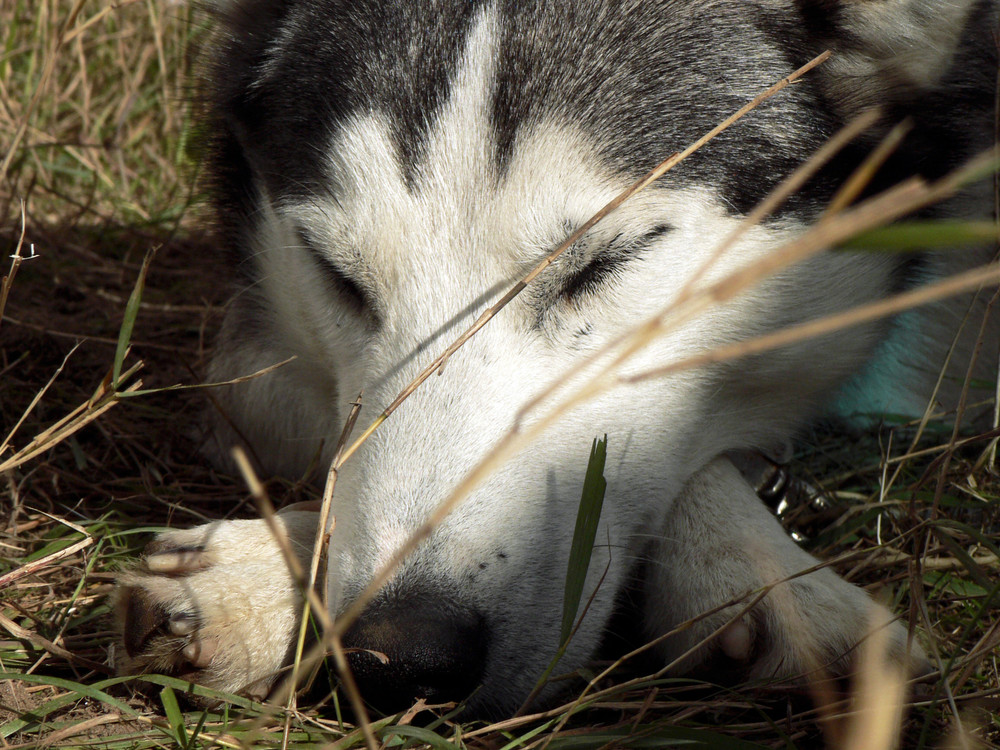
587,518
914,235
56,545
174,716
658,737
198,728
528,736
974,569
426,736
357,737
189,688
987,541
128,319
76,691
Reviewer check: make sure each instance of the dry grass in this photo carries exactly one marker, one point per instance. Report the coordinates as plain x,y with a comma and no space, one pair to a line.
95,141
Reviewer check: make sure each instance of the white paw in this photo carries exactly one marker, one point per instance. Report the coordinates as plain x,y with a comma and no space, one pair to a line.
807,628
215,604
721,543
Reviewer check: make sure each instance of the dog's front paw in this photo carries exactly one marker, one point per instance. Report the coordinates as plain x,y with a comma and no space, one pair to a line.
216,604
719,544
809,627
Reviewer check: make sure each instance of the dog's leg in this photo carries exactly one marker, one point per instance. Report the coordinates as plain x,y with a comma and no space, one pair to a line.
719,544
216,603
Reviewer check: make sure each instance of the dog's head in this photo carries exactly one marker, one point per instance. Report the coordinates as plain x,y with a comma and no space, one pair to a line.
385,171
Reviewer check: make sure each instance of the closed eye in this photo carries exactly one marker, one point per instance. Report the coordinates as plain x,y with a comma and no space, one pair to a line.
344,287
593,275
609,263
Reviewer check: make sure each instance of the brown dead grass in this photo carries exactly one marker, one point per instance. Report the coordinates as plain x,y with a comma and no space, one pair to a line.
95,140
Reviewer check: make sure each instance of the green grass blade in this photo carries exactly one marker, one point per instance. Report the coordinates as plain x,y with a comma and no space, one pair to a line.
659,737
588,515
196,732
426,736
128,320
528,736
190,688
174,716
75,690
974,569
587,518
52,547
914,235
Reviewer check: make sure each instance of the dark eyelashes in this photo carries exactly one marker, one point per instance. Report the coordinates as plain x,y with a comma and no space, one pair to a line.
609,262
592,275
658,231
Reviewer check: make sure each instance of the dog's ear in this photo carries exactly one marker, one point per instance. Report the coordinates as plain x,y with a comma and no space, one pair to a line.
244,29
885,51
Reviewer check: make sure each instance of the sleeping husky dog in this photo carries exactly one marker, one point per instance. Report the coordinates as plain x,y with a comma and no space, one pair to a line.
384,171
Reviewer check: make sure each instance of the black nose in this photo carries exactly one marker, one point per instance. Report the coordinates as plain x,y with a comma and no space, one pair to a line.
432,650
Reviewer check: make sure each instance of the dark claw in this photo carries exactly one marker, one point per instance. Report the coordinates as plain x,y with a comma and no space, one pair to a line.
143,618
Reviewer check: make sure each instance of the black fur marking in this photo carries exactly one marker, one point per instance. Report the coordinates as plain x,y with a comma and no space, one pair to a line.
646,83
591,276
637,83
938,141
289,73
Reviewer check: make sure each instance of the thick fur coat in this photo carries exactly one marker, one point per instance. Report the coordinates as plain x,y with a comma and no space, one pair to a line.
383,171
